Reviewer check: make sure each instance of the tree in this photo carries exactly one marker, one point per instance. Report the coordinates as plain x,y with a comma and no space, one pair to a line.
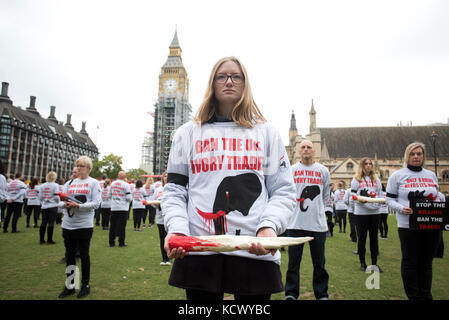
110,165
96,168
136,174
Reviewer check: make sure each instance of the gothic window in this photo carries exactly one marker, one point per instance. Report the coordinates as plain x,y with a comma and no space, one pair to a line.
349,166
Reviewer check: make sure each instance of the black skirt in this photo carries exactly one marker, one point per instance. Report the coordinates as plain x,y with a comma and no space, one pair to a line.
77,234
228,274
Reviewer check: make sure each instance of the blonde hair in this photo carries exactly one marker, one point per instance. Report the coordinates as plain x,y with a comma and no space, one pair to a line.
51,176
360,174
162,177
245,111
149,182
412,146
85,160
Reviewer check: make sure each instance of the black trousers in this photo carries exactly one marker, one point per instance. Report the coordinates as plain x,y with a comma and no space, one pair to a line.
418,248
330,224
3,208
162,235
118,227
341,218
317,253
151,214
29,210
368,223
144,215
13,209
105,217
47,224
353,226
78,239
137,217
383,226
97,216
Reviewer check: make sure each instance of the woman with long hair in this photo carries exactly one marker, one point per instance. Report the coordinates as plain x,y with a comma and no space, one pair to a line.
366,184
418,247
228,173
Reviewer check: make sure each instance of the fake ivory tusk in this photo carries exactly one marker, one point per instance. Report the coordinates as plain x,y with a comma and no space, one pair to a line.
231,243
368,199
151,202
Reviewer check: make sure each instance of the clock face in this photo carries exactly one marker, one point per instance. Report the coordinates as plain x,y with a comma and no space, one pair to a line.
170,85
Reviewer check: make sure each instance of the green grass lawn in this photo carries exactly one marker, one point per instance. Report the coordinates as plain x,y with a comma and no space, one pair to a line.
29,270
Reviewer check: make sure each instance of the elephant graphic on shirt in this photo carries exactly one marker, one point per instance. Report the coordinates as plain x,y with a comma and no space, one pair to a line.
309,192
234,193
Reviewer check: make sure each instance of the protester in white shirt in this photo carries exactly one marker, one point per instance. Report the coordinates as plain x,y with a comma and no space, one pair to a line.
312,181
33,202
121,197
77,224
49,198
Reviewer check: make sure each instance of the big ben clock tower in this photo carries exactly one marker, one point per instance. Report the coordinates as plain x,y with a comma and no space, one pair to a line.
172,108
173,79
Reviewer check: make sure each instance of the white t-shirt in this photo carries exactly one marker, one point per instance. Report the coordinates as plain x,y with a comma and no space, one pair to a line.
87,191
406,184
366,188
312,193
339,196
239,181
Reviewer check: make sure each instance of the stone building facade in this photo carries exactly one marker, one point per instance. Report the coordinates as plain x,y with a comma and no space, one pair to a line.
33,145
341,149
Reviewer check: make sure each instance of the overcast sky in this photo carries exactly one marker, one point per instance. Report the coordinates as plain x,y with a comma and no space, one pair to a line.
364,63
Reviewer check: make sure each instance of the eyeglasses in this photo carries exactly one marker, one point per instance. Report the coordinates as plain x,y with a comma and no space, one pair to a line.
235,78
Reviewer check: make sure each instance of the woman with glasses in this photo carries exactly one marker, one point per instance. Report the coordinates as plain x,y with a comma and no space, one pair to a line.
418,247
77,224
366,184
228,173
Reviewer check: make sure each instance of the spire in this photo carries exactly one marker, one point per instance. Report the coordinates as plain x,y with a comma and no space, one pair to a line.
175,41
312,114
293,121
175,49
312,109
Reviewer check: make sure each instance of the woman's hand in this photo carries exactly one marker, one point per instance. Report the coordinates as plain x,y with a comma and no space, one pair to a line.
407,210
257,249
70,204
175,253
